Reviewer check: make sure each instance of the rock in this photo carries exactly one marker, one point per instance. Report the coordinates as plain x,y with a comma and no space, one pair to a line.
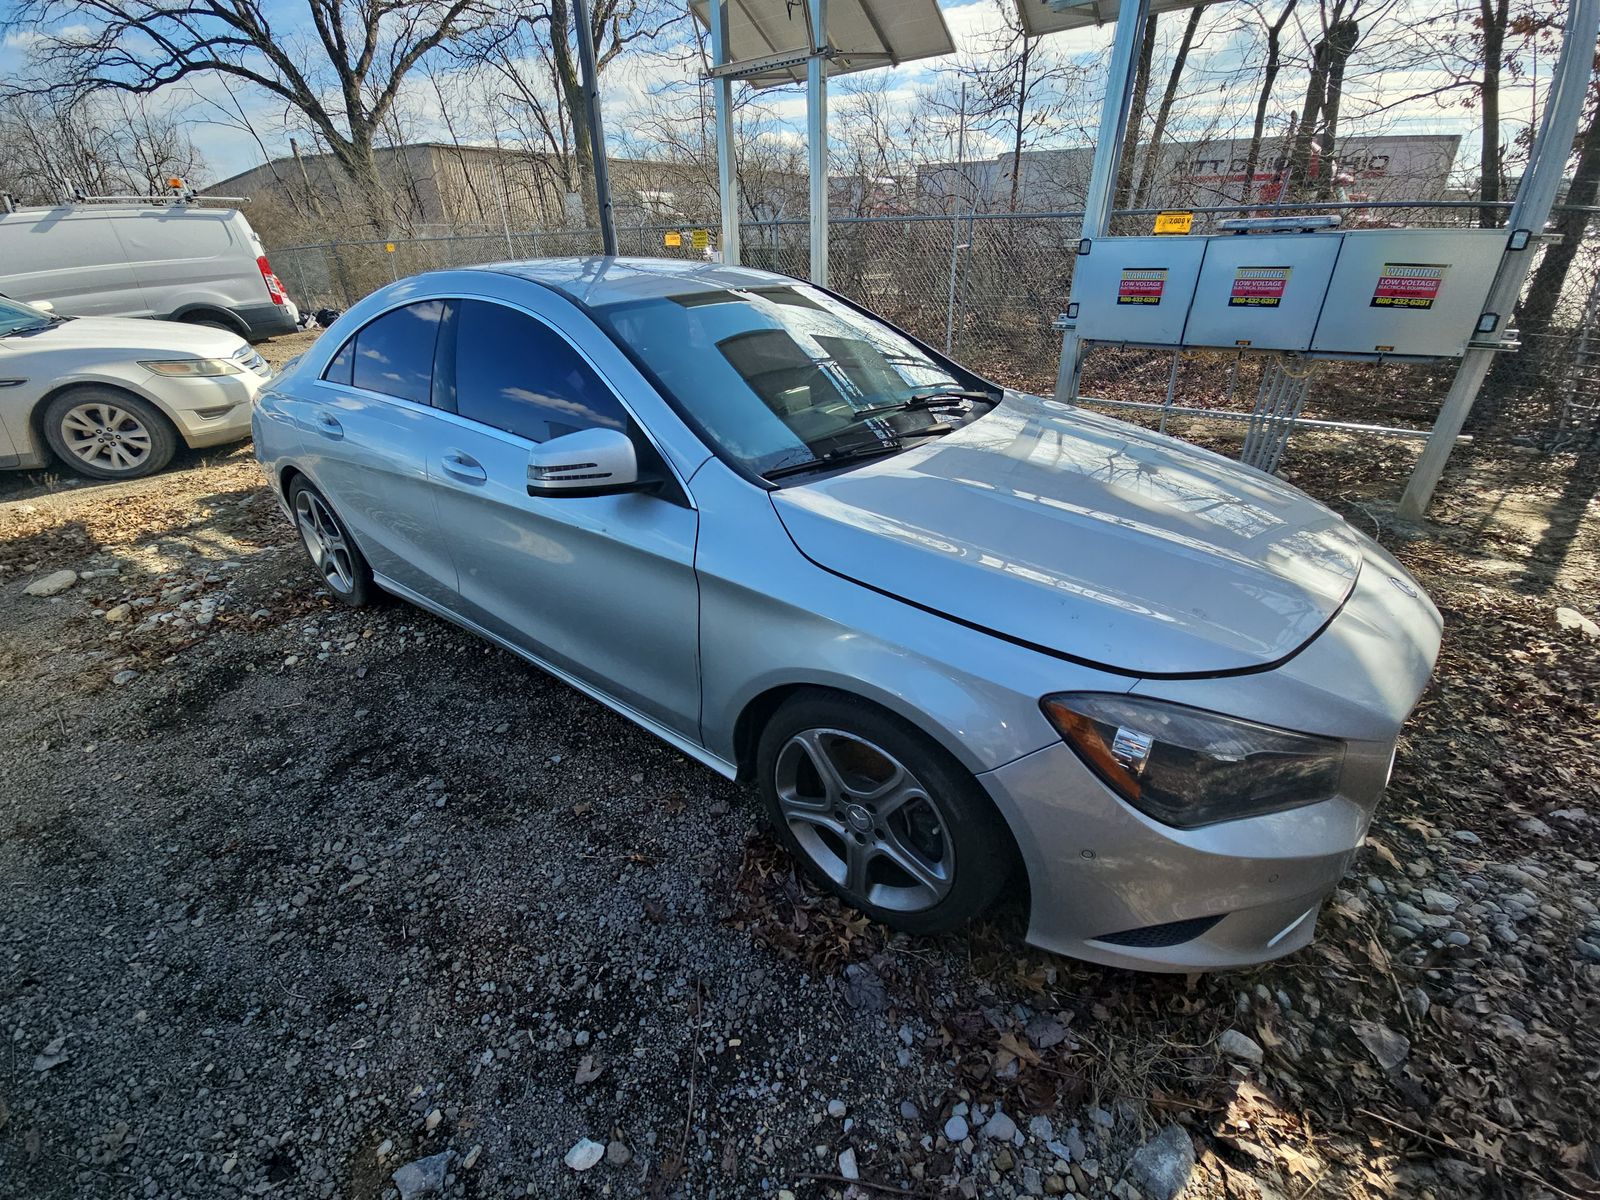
1046,1031
1042,1129
1442,903
385,1148
425,1177
1073,1140
1161,1166
955,1129
473,1155
53,1055
1466,837
1054,1185
618,1154
1388,1048
1004,1160
1571,618
847,1163
123,678
432,1121
584,1154
1534,827
836,1109
1101,1117
1000,1127
909,1111
864,990
1237,1046
118,612
1031,1182
52,584
1589,950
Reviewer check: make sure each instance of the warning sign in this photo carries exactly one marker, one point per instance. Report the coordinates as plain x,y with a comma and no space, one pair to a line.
1141,285
672,238
1409,285
700,238
1174,222
1258,287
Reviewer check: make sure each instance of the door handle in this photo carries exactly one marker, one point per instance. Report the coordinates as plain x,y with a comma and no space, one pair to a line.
463,466
328,425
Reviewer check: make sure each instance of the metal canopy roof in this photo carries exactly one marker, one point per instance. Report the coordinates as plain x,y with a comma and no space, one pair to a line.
768,42
1052,16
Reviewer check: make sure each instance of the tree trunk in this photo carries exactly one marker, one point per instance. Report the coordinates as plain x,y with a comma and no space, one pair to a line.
571,82
1310,114
1268,80
1141,86
1342,39
1493,14
1152,157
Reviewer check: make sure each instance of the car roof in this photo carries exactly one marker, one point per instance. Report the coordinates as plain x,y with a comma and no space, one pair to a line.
599,281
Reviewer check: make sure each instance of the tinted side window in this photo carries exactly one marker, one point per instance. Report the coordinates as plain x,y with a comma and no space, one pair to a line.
339,369
394,354
519,375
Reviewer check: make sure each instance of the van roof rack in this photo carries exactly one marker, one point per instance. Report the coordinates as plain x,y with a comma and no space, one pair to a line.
178,192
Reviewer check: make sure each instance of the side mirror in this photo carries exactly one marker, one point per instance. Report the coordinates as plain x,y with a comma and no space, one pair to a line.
593,462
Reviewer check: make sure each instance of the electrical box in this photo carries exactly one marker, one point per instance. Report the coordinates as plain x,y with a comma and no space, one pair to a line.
1409,292
1367,293
1136,289
1261,291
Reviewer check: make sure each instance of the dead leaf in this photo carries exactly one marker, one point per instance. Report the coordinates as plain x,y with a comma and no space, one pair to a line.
589,1069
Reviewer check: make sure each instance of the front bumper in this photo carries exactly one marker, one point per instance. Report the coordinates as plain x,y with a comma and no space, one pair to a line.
209,412
1113,886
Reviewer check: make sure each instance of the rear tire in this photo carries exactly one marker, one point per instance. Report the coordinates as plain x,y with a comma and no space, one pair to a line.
339,564
105,433
211,322
881,815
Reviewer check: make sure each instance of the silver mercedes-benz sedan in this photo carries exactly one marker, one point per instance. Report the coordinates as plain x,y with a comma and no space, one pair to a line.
956,635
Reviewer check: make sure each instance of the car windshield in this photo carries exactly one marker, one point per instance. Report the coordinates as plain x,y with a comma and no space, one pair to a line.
786,375
19,318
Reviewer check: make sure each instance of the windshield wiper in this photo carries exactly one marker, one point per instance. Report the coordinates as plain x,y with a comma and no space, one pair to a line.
835,458
943,398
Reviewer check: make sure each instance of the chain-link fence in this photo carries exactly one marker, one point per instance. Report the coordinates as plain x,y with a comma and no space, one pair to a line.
989,286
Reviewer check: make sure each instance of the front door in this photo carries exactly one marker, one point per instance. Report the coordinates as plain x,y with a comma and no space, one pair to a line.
602,587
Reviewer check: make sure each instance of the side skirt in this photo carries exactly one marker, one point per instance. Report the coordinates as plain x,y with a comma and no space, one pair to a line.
676,740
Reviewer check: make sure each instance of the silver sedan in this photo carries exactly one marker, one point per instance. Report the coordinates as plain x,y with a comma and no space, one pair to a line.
958,637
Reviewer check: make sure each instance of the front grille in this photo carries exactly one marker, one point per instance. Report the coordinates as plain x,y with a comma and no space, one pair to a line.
1150,937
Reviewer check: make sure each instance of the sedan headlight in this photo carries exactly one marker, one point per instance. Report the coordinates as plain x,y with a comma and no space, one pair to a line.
1187,767
192,368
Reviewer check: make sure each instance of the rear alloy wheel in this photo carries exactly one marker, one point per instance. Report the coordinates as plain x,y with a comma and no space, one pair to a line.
107,434
881,816
338,562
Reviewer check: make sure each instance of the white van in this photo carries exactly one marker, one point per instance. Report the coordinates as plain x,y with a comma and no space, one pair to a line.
173,261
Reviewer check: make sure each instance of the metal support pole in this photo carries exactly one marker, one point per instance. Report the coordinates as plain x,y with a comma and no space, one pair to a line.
955,227
817,135
1098,200
1547,164
597,131
722,107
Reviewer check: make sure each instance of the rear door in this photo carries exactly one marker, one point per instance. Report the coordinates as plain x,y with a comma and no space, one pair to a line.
602,587
366,427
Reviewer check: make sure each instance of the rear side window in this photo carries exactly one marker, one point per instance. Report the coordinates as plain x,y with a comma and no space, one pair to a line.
339,369
518,374
394,354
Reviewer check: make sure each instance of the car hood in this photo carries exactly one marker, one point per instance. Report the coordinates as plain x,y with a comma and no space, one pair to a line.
130,336
1088,538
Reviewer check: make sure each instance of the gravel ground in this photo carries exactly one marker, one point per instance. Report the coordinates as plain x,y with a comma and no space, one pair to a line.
297,898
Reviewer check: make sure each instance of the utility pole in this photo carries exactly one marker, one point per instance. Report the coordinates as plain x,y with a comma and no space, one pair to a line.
597,133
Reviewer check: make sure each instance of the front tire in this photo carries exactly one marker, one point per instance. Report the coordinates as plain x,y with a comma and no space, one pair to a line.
340,565
880,815
104,433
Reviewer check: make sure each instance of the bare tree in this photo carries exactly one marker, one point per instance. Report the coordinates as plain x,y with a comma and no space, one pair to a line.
343,80
1269,79
1152,157
52,147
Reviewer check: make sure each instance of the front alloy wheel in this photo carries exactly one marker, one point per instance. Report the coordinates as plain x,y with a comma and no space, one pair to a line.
879,814
864,819
105,433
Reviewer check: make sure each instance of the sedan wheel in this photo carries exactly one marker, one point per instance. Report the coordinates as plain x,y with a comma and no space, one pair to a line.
880,814
106,434
335,556
864,819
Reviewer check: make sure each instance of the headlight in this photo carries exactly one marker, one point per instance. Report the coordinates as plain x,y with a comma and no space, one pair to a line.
1188,768
192,368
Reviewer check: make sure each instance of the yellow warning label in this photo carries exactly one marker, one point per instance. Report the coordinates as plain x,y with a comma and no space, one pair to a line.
1174,222
700,238
672,238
